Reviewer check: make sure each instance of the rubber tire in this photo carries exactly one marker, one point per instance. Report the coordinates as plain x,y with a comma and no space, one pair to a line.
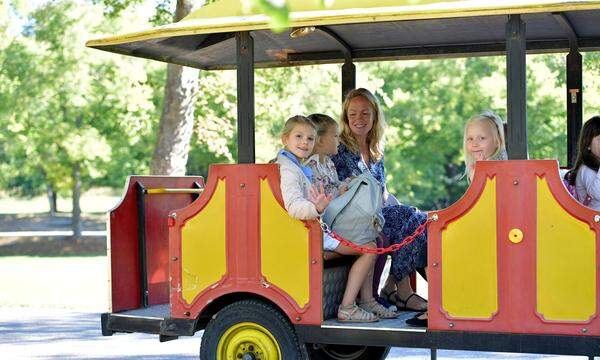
328,352
251,311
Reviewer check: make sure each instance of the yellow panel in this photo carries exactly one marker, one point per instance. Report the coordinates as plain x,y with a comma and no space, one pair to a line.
203,254
284,248
566,261
469,260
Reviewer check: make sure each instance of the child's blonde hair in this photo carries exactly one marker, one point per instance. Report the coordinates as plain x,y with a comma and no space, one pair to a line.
293,121
322,123
375,136
495,124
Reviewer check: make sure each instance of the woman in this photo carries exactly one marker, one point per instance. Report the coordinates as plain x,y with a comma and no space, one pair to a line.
360,150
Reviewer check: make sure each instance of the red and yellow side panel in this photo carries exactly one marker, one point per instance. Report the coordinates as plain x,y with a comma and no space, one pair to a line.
515,254
238,238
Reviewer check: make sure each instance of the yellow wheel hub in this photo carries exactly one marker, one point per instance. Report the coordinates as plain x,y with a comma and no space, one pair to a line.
248,341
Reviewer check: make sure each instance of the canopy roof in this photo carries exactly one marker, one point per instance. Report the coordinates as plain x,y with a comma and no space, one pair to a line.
371,29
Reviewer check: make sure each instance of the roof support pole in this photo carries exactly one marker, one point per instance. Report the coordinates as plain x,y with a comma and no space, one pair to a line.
516,88
574,88
574,103
348,69
348,78
245,97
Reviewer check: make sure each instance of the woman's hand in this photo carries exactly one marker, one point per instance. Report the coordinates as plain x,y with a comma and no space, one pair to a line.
317,196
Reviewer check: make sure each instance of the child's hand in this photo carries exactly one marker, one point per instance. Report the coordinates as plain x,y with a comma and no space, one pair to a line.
317,196
343,188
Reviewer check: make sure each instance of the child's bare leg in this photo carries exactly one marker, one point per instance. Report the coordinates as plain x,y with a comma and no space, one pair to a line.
358,273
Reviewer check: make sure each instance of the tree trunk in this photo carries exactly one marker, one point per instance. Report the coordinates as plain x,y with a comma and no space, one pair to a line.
177,119
51,194
76,215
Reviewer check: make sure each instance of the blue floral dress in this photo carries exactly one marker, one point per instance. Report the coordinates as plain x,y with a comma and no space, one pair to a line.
400,220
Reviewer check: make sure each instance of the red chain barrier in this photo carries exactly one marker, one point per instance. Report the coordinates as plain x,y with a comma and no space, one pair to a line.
395,247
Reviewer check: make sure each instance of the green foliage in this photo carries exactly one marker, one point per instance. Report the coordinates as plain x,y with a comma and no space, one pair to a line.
63,109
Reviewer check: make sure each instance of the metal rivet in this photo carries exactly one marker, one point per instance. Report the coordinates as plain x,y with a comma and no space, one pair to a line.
596,218
242,185
173,216
516,182
434,217
584,330
174,258
450,325
313,262
435,264
187,313
298,318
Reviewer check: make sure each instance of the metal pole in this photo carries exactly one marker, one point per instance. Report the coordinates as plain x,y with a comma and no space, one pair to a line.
142,255
574,87
433,354
516,88
348,78
245,97
574,103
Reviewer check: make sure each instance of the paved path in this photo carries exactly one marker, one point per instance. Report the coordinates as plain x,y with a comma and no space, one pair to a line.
36,333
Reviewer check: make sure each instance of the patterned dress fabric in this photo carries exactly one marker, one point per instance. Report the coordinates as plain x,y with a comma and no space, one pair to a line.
400,220
324,173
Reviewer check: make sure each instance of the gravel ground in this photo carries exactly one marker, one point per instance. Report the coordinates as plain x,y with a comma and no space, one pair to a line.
47,333
49,309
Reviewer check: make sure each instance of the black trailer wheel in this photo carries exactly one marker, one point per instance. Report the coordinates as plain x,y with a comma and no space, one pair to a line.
250,329
346,352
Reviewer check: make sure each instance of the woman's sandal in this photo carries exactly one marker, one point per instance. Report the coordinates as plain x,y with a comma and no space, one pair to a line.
417,320
393,298
355,314
379,310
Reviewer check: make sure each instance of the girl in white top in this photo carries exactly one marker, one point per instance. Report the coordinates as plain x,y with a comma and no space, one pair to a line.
586,176
483,140
360,279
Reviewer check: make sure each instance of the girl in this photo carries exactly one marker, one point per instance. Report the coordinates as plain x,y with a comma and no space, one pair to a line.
483,140
304,202
584,175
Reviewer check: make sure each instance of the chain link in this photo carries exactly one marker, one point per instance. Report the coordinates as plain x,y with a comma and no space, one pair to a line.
392,248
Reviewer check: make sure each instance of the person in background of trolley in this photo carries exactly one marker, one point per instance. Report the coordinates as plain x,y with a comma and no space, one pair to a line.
483,140
361,149
585,175
304,202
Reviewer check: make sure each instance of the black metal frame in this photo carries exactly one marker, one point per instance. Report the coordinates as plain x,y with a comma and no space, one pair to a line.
452,340
516,97
348,68
143,265
245,97
583,345
574,87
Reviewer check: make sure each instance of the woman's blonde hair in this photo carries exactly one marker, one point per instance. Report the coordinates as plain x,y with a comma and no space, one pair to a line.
495,124
375,135
293,121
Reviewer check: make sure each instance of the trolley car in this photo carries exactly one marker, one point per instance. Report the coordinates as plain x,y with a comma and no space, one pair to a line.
513,263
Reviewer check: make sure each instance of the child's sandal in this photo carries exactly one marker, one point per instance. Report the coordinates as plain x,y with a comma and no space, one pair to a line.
379,310
353,313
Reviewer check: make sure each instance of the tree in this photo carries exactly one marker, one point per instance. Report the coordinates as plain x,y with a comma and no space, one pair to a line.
67,110
177,120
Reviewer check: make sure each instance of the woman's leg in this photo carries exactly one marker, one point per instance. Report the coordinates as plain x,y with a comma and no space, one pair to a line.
400,222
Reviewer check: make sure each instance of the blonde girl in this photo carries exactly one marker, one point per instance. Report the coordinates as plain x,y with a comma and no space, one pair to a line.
483,140
360,278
